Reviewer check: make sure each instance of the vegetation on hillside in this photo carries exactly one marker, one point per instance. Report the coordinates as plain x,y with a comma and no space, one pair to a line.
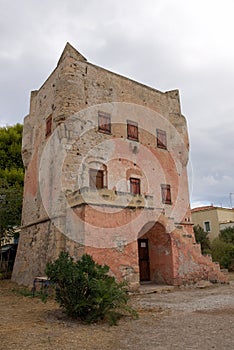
221,248
11,179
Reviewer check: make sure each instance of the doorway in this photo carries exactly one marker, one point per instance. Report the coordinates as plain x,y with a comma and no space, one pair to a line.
155,254
144,264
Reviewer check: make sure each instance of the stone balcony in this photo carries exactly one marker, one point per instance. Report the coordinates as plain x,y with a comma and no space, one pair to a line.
110,198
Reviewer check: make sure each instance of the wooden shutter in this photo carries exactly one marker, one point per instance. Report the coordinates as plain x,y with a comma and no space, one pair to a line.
104,123
132,130
134,185
99,179
166,194
161,139
95,179
92,178
48,126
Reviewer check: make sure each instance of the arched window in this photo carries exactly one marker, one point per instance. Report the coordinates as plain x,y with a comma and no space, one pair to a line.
96,179
97,176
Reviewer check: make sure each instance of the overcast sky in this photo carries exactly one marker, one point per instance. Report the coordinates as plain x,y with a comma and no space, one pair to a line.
166,44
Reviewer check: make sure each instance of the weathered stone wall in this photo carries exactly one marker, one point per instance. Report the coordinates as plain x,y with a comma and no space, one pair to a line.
76,85
59,210
190,266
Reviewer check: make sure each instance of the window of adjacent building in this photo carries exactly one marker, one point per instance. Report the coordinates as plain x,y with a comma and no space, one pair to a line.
104,123
161,139
207,226
96,178
132,130
135,185
48,126
166,194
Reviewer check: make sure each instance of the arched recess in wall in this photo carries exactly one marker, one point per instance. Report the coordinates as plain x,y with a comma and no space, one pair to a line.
155,254
95,174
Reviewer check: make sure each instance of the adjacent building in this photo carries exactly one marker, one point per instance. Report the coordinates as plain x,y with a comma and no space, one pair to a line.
213,219
106,174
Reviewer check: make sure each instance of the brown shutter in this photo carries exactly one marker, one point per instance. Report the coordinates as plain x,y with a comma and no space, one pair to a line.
134,185
166,194
161,139
104,123
48,126
99,179
96,178
132,130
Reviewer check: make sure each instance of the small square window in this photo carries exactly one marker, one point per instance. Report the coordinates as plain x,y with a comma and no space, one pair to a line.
166,194
135,185
96,178
161,139
207,226
104,122
132,130
48,126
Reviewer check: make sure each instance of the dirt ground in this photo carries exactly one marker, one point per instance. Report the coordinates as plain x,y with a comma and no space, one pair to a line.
185,318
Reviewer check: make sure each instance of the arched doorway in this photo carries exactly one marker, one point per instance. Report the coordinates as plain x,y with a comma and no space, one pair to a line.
155,254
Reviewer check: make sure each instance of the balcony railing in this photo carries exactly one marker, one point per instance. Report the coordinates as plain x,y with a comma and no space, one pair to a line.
106,197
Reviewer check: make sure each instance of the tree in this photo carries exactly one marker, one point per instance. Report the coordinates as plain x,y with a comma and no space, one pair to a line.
223,253
11,179
202,237
223,248
10,208
227,235
10,147
85,290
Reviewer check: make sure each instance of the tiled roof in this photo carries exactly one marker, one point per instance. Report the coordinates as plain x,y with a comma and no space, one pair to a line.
207,207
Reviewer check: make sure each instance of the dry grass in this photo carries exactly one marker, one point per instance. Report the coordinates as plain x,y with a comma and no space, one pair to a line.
186,319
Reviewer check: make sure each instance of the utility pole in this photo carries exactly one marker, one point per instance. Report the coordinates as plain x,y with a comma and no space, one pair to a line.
230,196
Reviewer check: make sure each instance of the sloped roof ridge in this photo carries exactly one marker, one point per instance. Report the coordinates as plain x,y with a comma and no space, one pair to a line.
69,50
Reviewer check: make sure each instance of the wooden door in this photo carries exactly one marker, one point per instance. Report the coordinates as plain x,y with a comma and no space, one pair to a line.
143,253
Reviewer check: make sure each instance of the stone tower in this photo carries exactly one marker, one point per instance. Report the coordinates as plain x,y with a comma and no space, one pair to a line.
106,174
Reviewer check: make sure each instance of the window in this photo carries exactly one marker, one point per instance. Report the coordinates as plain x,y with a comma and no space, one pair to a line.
48,126
104,122
132,130
166,194
96,178
135,185
207,226
161,139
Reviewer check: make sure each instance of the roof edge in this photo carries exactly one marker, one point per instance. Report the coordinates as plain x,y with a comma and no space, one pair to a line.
70,51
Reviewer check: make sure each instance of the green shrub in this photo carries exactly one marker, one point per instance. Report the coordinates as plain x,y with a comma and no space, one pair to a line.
227,235
202,237
84,290
223,253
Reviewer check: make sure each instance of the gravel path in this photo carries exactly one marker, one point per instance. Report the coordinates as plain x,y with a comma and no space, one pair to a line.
189,318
